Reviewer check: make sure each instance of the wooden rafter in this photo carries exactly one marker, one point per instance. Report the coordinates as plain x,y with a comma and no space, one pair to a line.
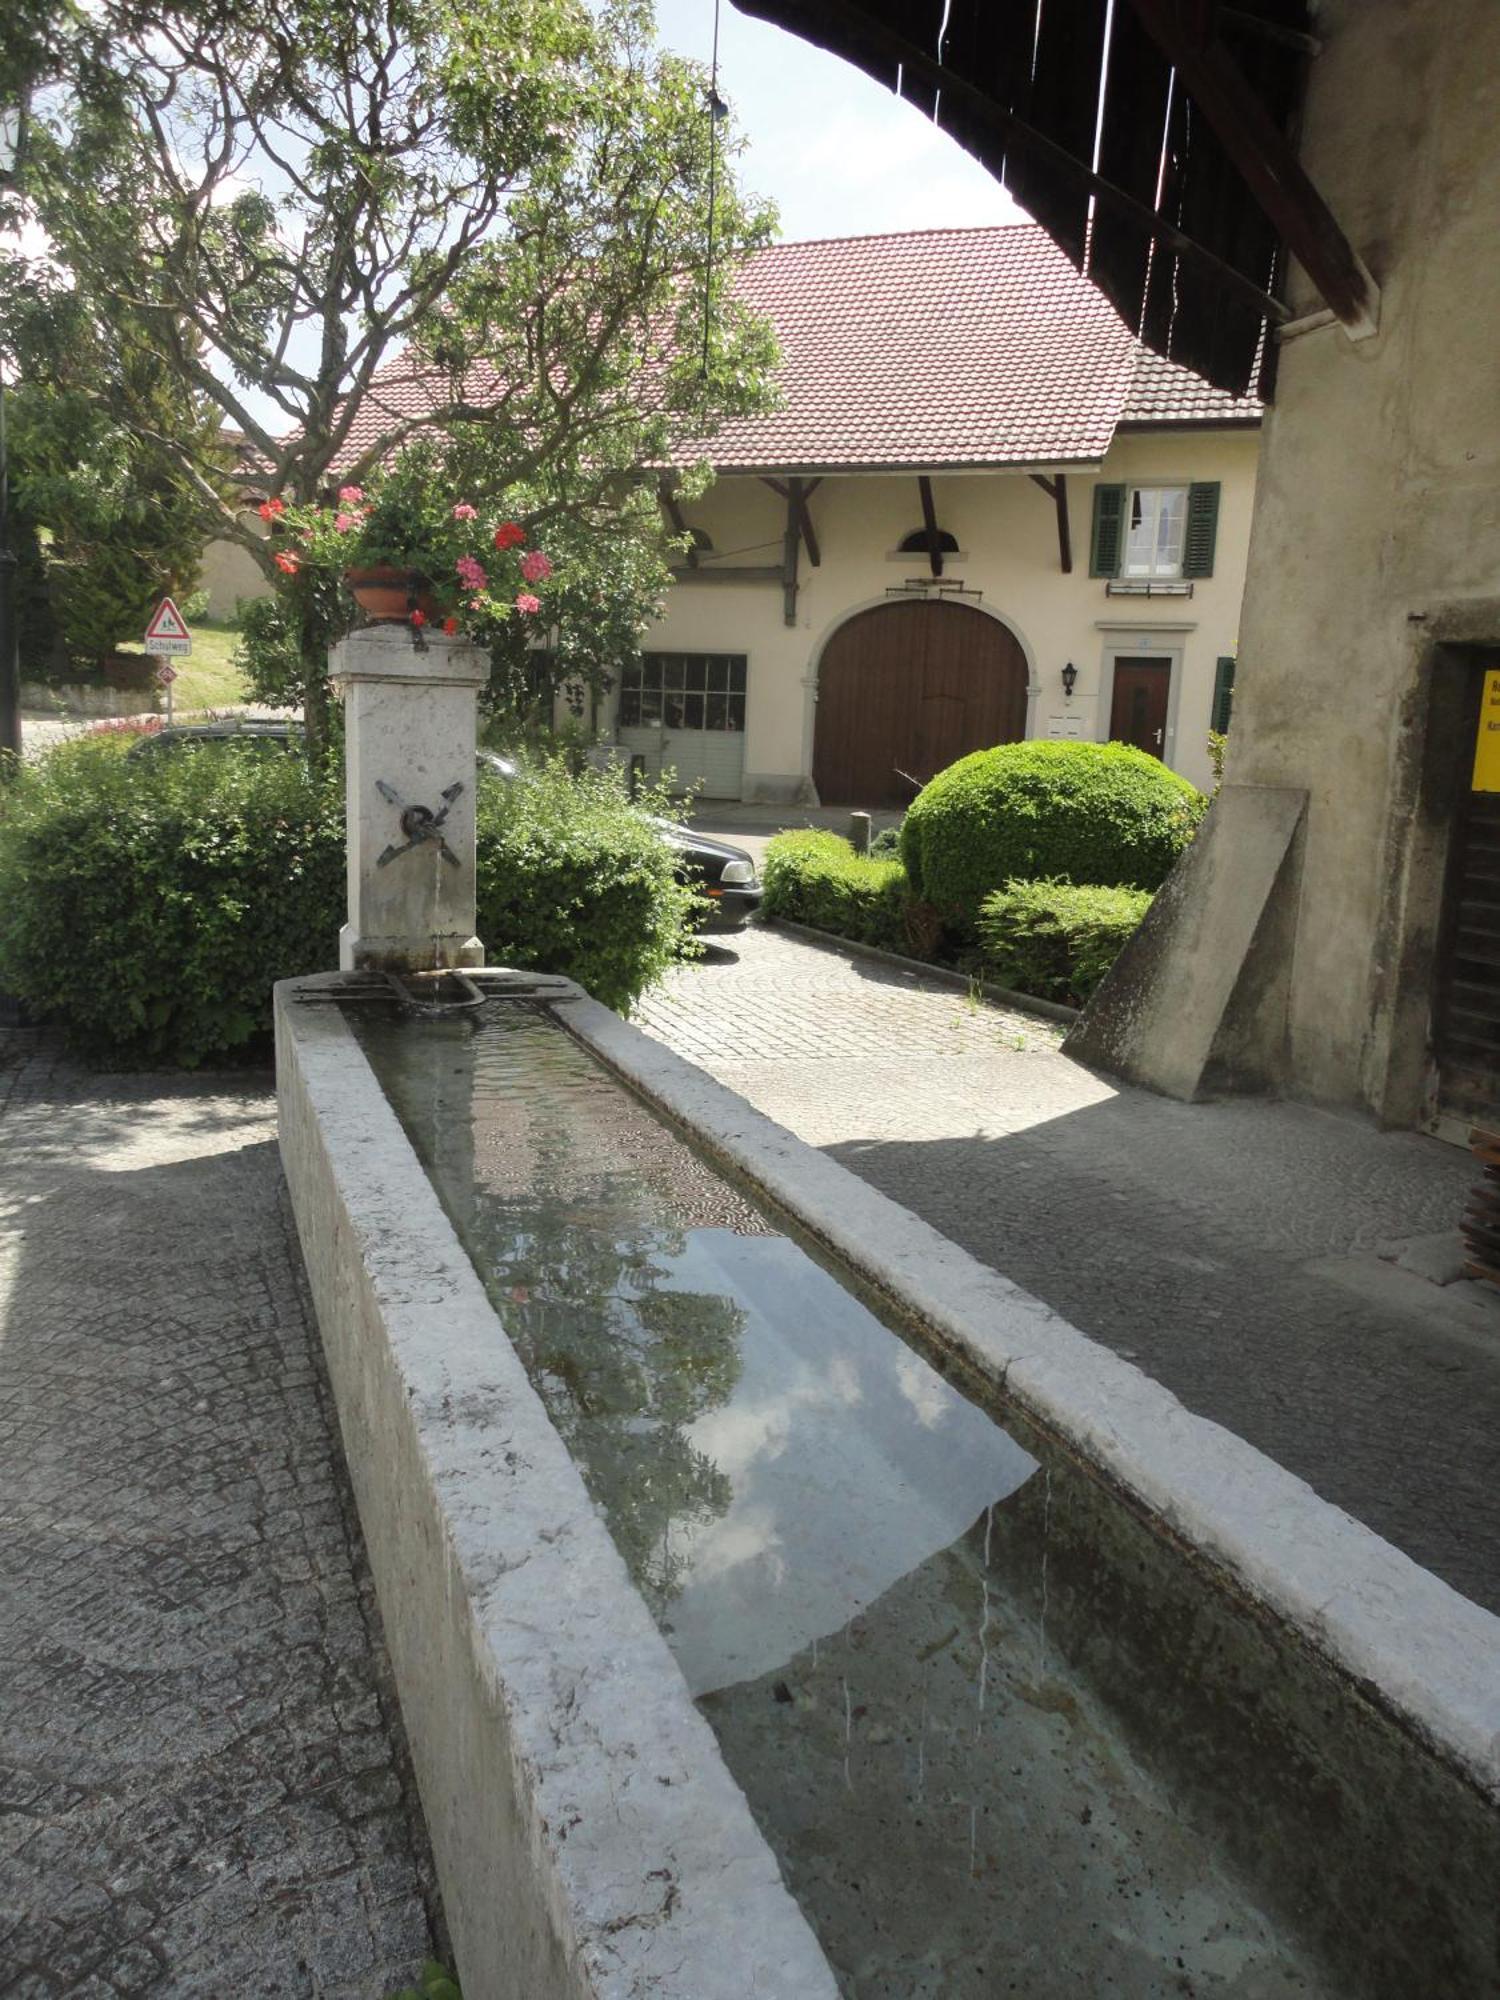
1183,31
797,495
1056,491
668,496
930,525
862,32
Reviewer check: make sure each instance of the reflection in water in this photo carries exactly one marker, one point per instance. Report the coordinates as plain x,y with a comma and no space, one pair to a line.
810,1510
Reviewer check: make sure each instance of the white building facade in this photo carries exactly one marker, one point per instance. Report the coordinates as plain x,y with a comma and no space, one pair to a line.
1058,548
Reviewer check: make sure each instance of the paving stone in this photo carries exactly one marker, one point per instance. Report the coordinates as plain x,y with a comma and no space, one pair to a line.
1232,1250
203,1788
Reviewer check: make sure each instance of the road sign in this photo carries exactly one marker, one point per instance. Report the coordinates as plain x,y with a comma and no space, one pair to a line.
167,633
1487,746
165,675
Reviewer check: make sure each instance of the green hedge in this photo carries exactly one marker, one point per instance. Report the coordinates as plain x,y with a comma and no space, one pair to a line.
817,879
1056,939
1078,812
149,906
573,879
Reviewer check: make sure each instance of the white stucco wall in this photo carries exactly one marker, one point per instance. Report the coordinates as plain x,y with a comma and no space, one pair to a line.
1007,534
229,573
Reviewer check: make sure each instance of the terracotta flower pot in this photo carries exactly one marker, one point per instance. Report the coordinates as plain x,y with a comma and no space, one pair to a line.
389,595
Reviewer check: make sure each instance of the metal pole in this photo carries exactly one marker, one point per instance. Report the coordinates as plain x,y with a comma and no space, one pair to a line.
10,666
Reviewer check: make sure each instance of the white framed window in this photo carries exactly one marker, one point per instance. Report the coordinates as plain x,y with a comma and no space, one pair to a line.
1155,531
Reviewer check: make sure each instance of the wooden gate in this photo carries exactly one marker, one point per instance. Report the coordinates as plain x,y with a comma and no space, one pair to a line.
907,689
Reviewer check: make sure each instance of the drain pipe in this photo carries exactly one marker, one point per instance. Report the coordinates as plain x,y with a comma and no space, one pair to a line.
409,785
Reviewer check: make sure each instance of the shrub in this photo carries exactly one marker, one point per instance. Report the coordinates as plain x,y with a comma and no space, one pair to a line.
886,845
149,906
1078,812
1057,939
817,879
574,879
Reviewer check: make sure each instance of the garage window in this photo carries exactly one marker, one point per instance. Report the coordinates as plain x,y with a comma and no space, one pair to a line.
683,691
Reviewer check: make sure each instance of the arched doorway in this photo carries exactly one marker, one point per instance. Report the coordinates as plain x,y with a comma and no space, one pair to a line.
906,689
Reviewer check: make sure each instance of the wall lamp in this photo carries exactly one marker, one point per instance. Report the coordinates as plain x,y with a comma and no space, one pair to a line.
1069,680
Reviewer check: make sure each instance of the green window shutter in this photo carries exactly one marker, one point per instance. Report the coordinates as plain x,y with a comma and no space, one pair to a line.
1202,529
1223,695
1107,548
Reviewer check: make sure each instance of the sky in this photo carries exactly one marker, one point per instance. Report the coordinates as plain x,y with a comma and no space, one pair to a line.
838,153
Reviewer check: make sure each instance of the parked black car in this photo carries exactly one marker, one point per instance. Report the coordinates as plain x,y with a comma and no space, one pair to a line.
725,874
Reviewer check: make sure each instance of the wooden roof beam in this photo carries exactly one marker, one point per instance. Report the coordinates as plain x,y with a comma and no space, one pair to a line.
930,524
885,45
1183,30
797,496
1056,491
668,496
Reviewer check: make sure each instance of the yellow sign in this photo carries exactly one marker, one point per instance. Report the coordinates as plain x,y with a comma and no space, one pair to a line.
1487,747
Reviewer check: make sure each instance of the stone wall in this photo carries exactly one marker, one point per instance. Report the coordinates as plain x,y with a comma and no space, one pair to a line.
1372,580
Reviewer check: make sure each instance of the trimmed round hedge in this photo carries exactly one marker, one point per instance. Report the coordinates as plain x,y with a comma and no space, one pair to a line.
149,906
1078,812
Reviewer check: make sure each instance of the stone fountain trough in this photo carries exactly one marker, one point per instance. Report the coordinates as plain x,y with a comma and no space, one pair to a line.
1177,1668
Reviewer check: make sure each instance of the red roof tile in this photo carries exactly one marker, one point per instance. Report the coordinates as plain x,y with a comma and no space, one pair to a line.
940,347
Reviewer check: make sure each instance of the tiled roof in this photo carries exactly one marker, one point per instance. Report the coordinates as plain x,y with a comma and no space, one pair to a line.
980,347
1163,393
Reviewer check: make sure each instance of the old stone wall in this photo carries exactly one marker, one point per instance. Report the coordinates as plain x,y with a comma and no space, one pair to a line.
1373,574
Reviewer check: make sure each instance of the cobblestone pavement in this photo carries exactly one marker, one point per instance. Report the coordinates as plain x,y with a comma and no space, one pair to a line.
1243,1253
201,1786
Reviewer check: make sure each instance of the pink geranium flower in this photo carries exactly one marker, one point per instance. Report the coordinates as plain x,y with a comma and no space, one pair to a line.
464,512
526,602
344,522
471,573
351,493
535,567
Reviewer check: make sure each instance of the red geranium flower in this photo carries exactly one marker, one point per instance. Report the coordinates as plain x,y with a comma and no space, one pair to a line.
509,535
287,563
419,618
450,626
269,509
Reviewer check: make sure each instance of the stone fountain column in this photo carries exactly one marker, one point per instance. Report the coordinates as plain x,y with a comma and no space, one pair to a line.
409,775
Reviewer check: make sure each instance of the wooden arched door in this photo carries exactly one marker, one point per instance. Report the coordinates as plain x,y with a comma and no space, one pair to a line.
907,689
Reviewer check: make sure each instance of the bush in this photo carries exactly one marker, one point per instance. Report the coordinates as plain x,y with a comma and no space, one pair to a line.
573,879
148,907
818,879
1057,939
886,846
1077,812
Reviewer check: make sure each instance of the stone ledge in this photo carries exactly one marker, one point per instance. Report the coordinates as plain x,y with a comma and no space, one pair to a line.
589,1840
1424,1653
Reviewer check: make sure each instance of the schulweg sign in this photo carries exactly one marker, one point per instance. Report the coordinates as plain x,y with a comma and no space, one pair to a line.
167,634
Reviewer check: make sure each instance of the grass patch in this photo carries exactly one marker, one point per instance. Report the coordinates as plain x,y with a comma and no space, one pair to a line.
208,677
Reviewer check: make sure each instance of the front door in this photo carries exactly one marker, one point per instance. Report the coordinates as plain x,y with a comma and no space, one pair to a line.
1138,712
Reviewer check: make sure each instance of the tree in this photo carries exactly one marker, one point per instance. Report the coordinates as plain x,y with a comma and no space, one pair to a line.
104,522
520,197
